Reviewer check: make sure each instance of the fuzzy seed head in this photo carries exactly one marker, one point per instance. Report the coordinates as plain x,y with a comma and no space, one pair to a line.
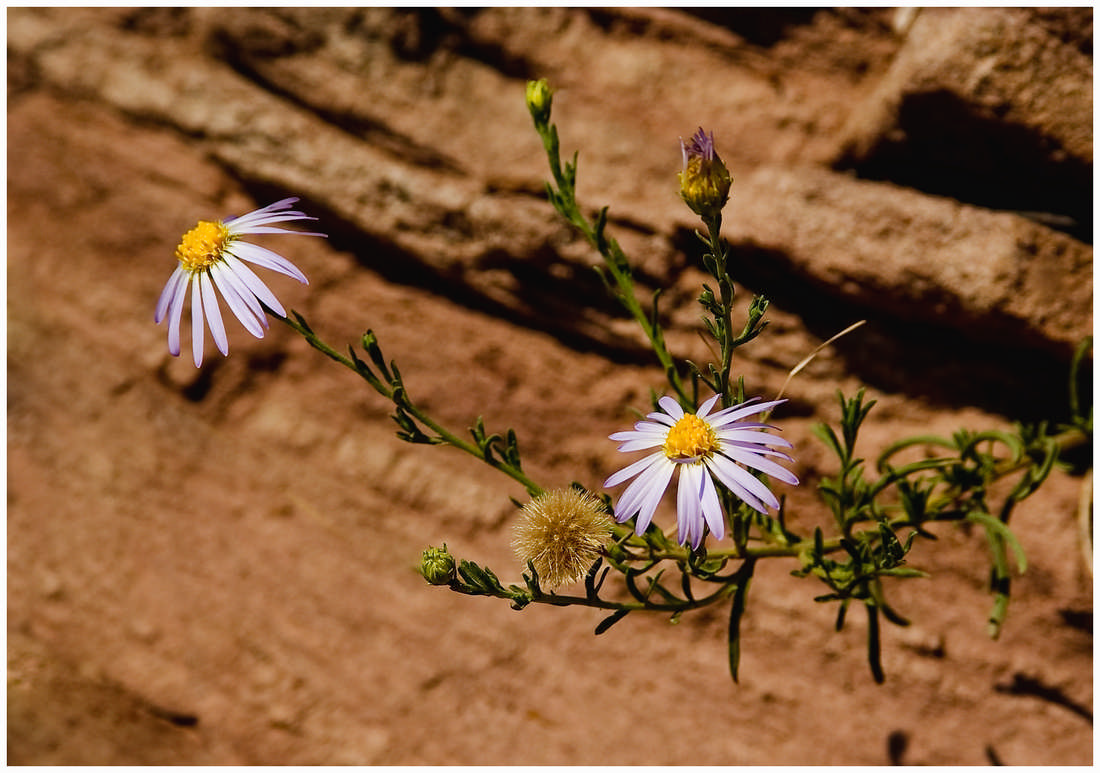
561,533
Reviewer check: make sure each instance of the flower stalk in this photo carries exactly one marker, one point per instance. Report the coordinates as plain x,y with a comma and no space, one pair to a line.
562,193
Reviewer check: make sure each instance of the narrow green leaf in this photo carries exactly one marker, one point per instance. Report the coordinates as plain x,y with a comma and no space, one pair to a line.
471,573
511,451
880,602
828,436
737,611
610,620
600,226
533,580
874,645
302,321
591,585
994,527
841,613
374,351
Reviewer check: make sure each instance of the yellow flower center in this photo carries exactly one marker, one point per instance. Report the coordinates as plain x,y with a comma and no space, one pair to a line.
202,246
690,438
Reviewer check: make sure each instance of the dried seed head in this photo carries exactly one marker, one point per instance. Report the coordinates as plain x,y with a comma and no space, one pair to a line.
561,533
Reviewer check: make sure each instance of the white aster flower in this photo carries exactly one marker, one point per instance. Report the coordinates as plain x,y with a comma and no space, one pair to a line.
212,255
700,446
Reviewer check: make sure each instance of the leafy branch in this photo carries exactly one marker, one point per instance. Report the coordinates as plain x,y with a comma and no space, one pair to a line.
878,516
415,425
562,194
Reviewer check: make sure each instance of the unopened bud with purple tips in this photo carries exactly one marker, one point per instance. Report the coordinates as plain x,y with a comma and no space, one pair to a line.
704,181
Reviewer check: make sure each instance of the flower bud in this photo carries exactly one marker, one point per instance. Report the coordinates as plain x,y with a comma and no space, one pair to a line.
539,98
704,181
437,566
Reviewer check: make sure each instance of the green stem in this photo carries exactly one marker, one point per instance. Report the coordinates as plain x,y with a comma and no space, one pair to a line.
554,599
1064,441
563,195
445,436
724,323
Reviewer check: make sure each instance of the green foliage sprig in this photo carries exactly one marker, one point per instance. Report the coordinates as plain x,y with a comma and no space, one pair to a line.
878,516
416,426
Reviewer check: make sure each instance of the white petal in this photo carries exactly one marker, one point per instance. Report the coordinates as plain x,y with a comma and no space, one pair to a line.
712,508
239,306
175,311
766,466
262,256
262,227
689,505
672,408
244,293
245,223
747,408
663,418
631,470
646,432
263,212
748,425
646,491
704,409
752,436
653,427
632,500
658,480
641,444
169,292
198,333
213,313
755,448
640,493
254,283
742,483
270,229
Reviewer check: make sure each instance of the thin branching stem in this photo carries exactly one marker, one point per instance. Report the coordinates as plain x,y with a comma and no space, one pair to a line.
395,392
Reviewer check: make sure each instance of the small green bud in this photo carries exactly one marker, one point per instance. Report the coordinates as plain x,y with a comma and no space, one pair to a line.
704,181
437,565
539,98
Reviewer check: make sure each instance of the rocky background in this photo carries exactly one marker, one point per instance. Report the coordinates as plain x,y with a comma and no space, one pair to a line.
218,565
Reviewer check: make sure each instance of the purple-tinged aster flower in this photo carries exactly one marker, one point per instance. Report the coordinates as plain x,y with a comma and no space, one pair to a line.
212,255
702,447
704,180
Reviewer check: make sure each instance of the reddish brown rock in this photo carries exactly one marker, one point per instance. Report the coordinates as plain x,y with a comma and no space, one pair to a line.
993,106
218,565
993,276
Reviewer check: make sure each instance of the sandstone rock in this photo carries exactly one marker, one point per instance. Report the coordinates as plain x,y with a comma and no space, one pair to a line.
991,106
409,207
992,276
